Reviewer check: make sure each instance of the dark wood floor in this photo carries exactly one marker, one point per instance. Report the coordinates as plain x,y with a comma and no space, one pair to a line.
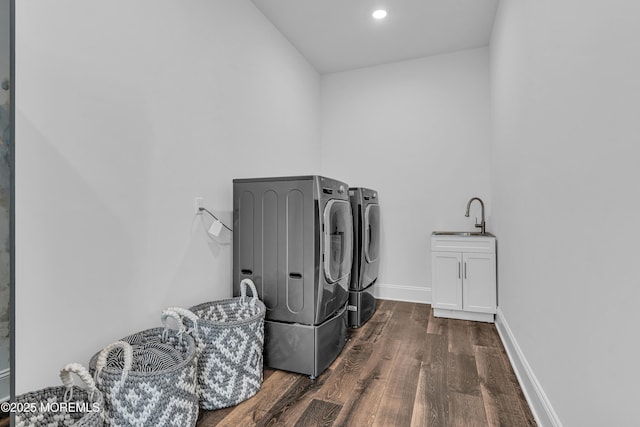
402,368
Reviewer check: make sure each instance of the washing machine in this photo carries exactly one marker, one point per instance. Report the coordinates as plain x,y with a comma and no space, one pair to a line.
293,236
366,254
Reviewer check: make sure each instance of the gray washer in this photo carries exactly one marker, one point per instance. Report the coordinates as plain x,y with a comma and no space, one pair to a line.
366,254
293,236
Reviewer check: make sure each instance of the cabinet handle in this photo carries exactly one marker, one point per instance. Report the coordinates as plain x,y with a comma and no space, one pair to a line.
465,269
458,269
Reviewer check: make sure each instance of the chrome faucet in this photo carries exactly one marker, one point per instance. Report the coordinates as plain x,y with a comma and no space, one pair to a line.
482,224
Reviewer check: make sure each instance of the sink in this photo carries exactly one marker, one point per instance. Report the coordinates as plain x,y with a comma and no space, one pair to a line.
462,233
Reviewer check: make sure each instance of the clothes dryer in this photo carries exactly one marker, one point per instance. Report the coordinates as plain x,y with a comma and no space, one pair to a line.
366,254
293,236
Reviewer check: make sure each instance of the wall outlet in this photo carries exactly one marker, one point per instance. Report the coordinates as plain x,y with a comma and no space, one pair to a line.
198,203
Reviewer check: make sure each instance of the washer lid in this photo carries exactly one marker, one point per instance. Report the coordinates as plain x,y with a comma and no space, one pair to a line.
338,240
372,232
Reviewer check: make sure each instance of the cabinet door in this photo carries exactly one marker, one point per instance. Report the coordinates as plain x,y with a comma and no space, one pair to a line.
446,280
479,282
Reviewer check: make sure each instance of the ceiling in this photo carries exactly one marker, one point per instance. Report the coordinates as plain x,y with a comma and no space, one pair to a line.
338,35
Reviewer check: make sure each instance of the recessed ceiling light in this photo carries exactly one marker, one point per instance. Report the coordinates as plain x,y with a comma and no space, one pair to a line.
379,14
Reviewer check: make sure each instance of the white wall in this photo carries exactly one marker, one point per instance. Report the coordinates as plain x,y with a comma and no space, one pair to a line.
566,204
418,132
125,112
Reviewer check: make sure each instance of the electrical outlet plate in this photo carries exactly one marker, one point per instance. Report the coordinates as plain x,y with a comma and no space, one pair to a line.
198,203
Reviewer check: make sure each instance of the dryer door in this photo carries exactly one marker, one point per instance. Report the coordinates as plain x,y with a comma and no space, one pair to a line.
372,232
338,240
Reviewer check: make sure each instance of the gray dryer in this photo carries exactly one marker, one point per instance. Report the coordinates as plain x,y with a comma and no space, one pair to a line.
293,236
366,254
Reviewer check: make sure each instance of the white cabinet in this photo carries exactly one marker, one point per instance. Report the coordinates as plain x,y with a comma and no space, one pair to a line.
447,280
464,277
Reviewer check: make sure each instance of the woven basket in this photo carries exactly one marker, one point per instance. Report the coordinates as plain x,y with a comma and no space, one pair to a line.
230,338
63,405
149,378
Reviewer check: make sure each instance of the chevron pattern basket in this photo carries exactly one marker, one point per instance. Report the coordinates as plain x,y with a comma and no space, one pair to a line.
63,405
149,379
230,338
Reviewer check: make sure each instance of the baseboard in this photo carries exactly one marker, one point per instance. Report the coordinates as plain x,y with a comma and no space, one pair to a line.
402,293
533,392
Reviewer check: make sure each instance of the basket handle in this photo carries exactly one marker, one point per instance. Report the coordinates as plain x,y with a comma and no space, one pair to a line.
102,359
190,315
243,291
170,313
67,380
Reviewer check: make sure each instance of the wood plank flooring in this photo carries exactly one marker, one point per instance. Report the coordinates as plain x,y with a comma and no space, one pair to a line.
402,368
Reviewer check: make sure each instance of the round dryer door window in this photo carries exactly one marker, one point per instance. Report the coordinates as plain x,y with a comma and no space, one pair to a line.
372,232
338,240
